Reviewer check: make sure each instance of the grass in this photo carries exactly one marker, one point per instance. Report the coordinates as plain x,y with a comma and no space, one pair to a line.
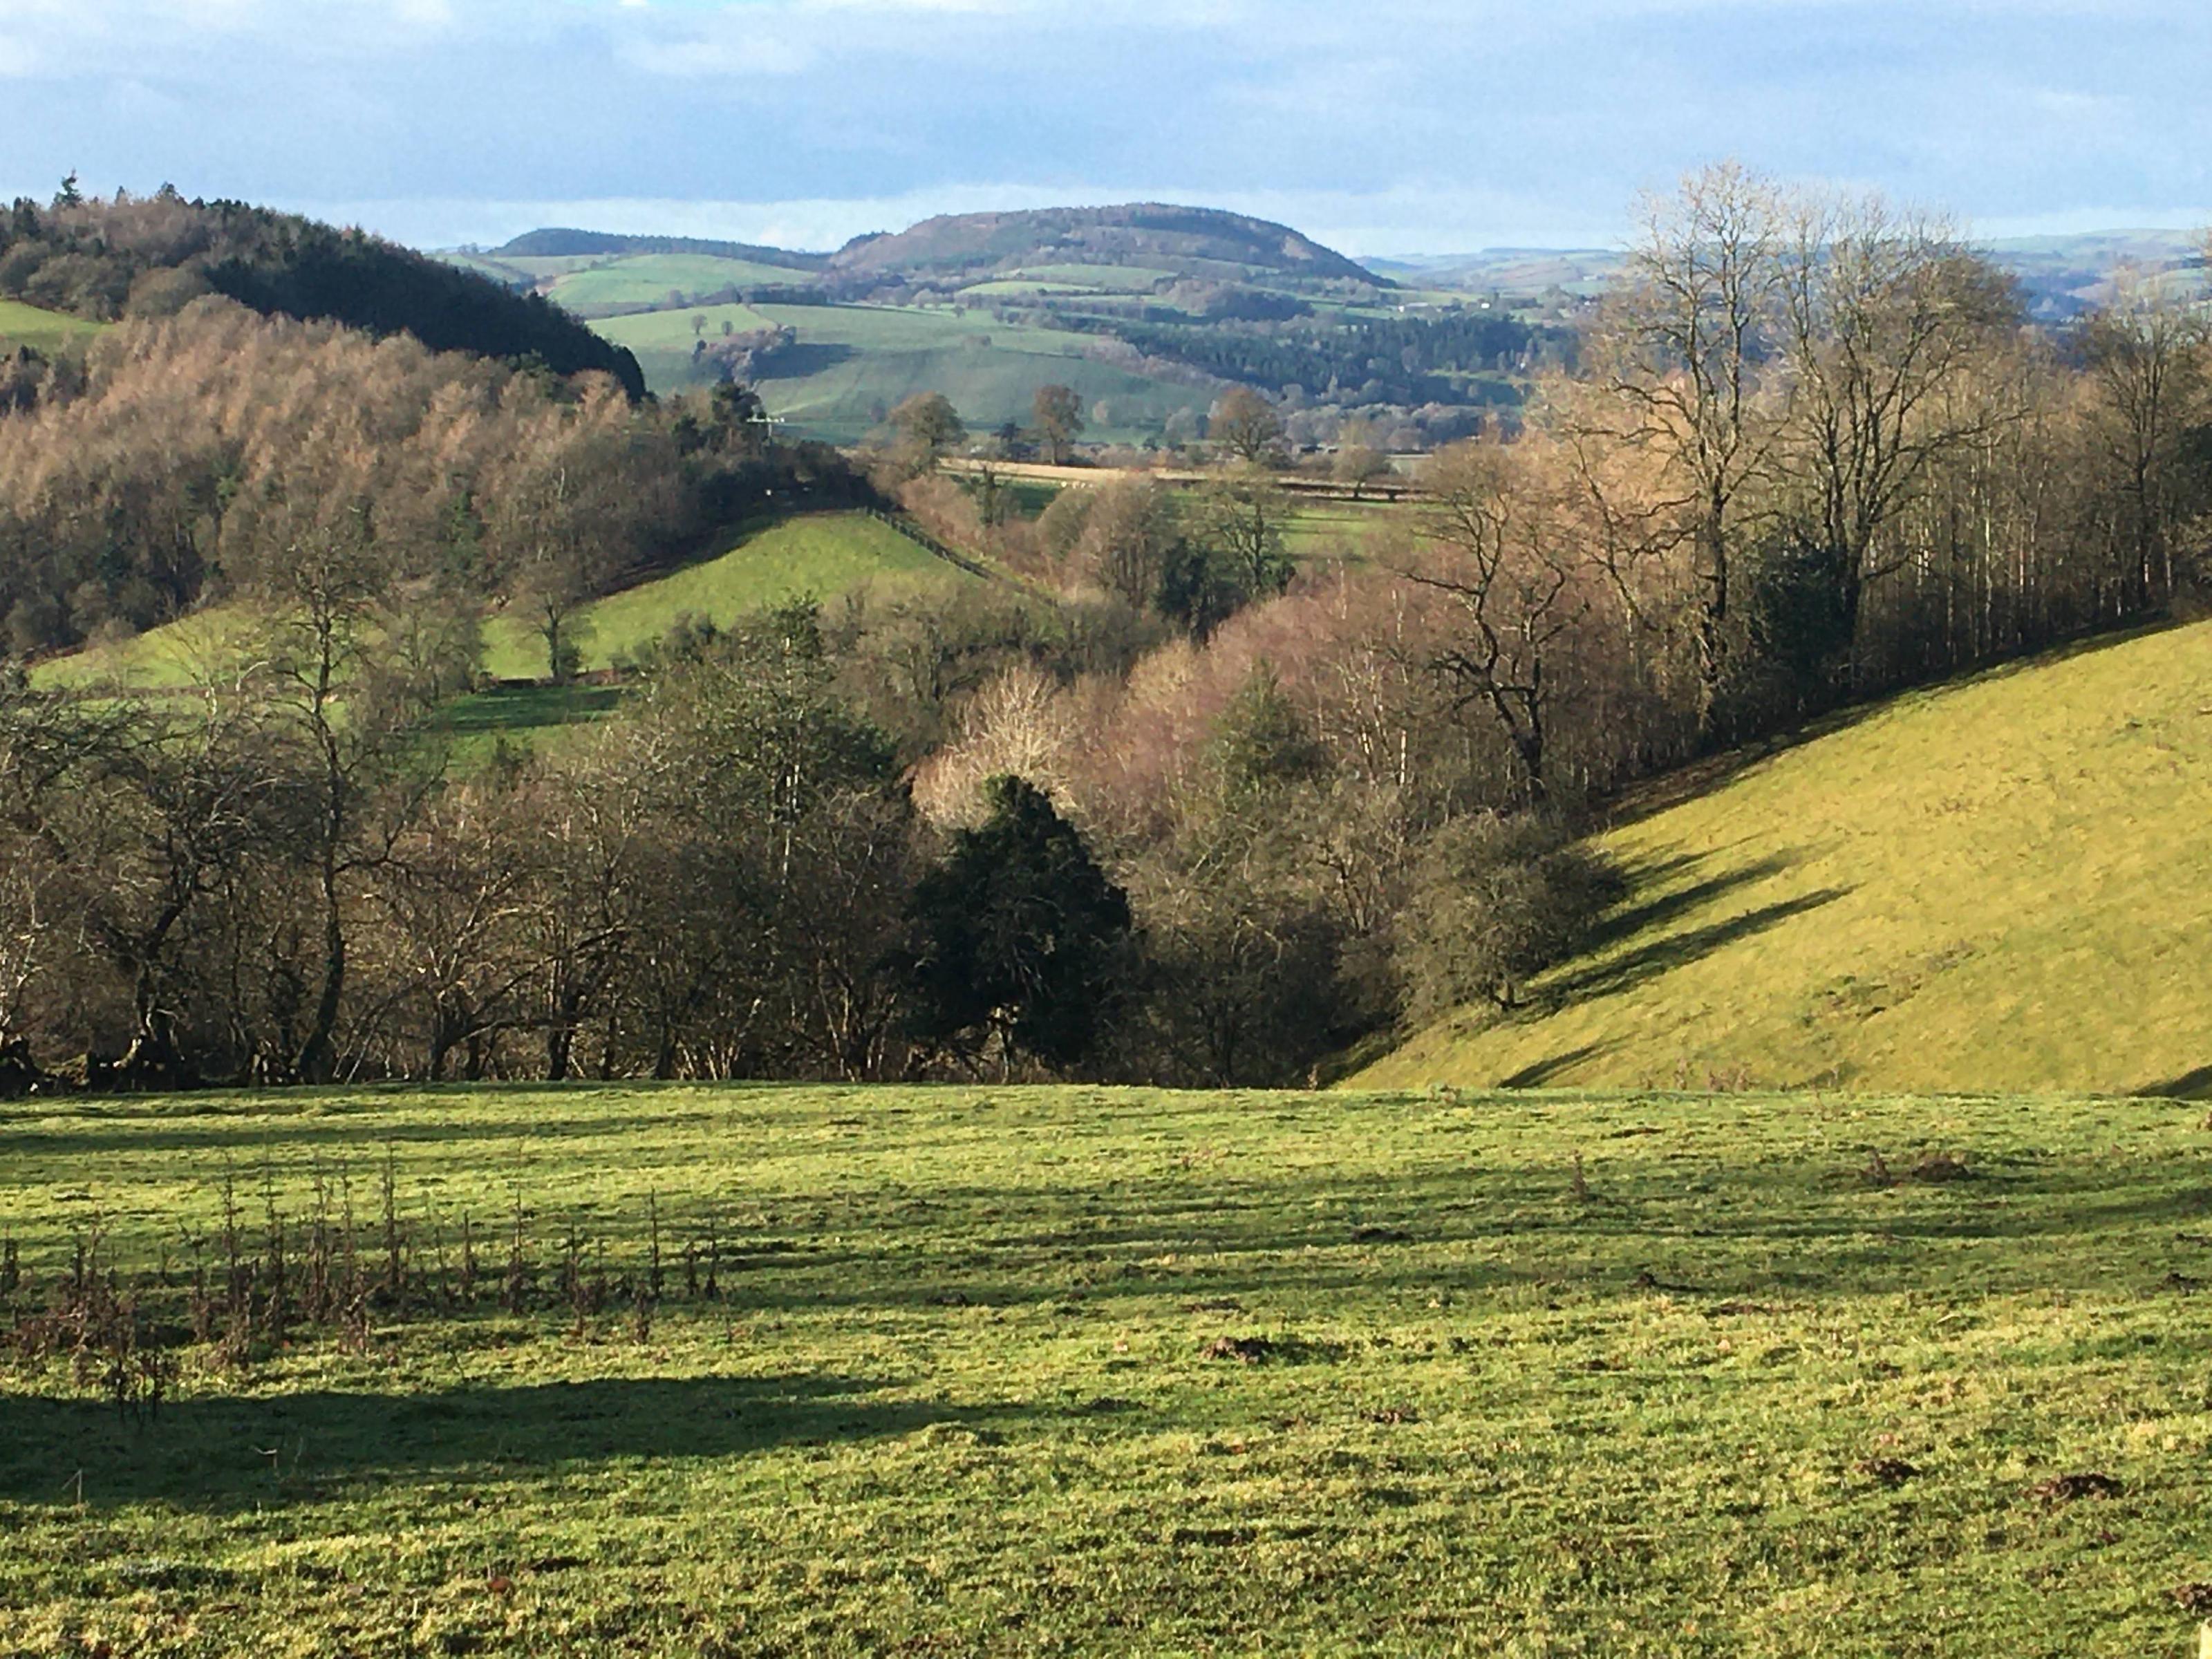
25,325
649,278
2004,883
822,555
854,363
995,1371
672,331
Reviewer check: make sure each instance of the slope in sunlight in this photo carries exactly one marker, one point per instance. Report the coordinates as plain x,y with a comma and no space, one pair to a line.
2003,884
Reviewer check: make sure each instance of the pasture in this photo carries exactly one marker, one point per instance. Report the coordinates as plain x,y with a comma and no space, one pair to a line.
26,324
2003,883
1002,1370
650,279
820,555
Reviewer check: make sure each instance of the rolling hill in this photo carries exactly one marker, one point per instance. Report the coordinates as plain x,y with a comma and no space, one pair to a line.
1183,241
2001,885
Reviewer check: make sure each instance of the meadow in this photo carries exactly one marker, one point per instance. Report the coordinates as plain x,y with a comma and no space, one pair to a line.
2003,883
26,324
1023,1370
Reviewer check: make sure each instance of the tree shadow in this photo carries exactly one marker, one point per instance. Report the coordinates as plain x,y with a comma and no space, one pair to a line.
2190,1086
1547,1070
219,1451
796,362
1631,969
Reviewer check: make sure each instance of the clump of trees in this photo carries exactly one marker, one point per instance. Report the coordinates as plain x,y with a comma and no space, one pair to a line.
185,458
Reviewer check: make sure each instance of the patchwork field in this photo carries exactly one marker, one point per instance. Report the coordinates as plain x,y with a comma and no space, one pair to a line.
853,364
990,1371
650,279
2005,882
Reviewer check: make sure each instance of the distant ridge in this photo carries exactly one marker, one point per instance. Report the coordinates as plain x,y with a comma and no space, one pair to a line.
565,243
1182,240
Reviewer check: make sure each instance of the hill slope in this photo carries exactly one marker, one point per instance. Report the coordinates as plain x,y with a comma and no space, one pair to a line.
2004,885
1142,234
100,261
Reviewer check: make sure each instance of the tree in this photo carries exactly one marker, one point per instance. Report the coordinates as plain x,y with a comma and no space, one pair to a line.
1245,425
1241,518
1019,937
1506,555
2147,357
1125,535
928,428
1678,355
1496,901
1884,316
1058,413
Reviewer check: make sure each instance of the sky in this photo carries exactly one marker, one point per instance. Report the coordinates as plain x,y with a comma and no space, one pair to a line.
1379,126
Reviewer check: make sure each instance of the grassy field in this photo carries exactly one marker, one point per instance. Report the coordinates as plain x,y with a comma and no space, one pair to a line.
2003,883
824,555
821,554
854,362
649,278
1007,1371
23,324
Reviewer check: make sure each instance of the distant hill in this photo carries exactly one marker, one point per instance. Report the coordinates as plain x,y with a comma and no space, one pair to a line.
1997,885
566,244
2060,276
104,259
1176,240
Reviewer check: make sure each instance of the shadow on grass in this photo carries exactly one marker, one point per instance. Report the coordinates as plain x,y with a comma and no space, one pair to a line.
224,1451
2190,1086
1647,962
529,708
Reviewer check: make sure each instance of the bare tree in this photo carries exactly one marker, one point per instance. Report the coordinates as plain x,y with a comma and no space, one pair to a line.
1678,358
2146,353
1504,553
1885,315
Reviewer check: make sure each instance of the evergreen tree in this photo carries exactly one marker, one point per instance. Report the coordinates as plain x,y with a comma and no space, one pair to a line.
1019,936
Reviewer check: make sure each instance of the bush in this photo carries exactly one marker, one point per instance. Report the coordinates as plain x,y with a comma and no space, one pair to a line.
1496,901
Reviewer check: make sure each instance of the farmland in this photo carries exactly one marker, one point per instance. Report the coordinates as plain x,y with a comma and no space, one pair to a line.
2000,882
1060,1371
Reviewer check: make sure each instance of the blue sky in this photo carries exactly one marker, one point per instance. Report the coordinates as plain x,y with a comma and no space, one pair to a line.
1383,126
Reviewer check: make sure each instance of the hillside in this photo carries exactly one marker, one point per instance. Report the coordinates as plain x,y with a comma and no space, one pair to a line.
2004,884
41,330
563,243
101,260
820,555
1197,241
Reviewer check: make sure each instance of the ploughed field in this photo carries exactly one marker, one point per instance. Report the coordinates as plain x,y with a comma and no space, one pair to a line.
1002,1370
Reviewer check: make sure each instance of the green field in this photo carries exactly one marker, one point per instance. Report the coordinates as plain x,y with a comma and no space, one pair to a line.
2002,883
854,363
1077,1371
649,278
23,324
821,555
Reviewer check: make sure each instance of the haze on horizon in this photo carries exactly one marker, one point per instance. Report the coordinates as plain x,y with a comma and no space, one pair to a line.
1412,126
